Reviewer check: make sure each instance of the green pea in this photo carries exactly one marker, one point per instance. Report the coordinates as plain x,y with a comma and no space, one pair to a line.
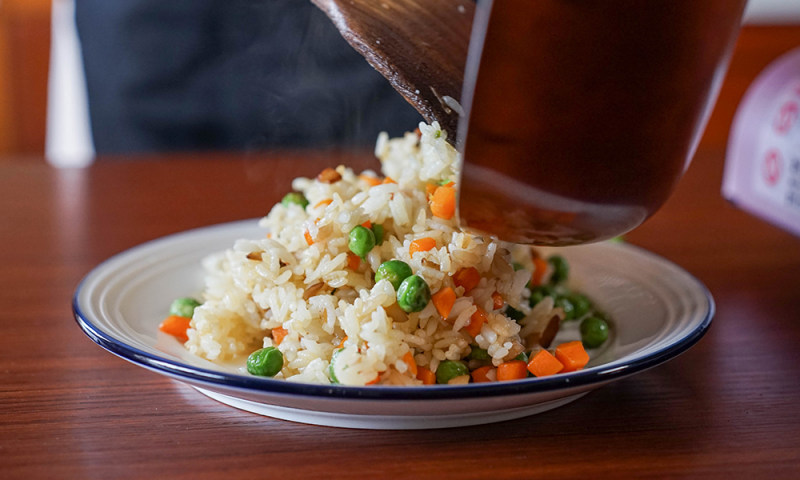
581,303
413,294
566,304
183,307
266,362
478,353
361,240
538,293
294,197
449,370
393,270
514,314
522,356
594,331
560,269
517,266
330,366
378,231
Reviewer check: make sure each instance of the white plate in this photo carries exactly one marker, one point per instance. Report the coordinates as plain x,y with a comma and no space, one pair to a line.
658,310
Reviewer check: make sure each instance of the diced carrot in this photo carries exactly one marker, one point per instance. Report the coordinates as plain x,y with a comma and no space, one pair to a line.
449,183
388,180
421,245
353,261
476,321
467,277
539,269
572,355
374,380
511,370
408,358
327,201
430,188
497,301
544,363
480,374
278,334
444,300
367,224
176,326
329,175
443,202
426,375
309,240
370,180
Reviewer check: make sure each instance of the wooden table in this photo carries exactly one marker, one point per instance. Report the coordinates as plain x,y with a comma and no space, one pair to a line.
726,408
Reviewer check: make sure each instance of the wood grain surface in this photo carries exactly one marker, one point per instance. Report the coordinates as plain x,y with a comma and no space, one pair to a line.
727,408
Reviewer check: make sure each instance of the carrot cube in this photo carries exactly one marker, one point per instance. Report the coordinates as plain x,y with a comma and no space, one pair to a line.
572,355
426,375
176,326
481,374
476,322
467,278
544,363
444,300
513,370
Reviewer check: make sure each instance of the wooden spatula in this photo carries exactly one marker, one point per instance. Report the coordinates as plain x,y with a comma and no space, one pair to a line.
420,46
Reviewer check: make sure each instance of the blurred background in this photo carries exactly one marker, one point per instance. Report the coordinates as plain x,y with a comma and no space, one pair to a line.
40,64
24,61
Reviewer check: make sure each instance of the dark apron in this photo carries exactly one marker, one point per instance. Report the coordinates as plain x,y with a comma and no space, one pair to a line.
228,74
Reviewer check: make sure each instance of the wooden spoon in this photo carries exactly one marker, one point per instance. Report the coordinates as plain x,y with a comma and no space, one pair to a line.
423,56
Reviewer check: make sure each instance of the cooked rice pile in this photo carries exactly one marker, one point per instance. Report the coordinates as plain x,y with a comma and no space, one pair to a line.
313,292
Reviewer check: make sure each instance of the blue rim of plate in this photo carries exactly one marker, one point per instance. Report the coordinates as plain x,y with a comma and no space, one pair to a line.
600,374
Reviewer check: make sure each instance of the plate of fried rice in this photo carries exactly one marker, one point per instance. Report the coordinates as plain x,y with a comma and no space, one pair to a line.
357,301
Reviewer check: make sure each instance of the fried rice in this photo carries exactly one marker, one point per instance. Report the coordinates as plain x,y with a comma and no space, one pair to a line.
300,289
